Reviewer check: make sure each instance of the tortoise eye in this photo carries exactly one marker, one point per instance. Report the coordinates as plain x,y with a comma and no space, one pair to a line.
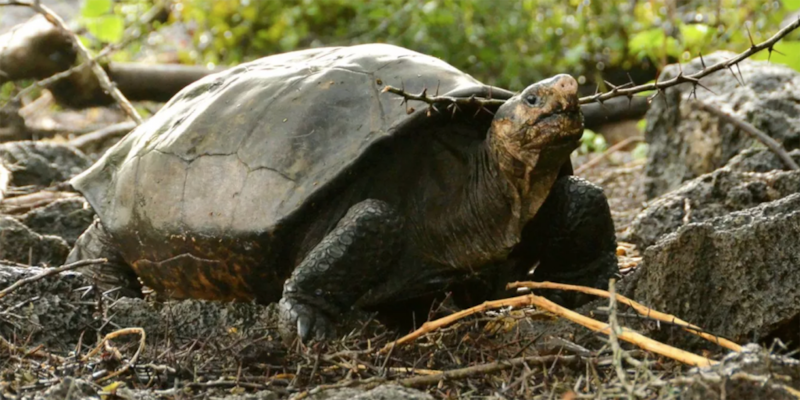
531,99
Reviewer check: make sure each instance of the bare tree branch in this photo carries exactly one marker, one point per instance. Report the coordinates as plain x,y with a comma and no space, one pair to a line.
102,77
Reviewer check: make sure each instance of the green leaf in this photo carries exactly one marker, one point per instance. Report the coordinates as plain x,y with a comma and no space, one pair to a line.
791,5
790,56
640,151
108,28
95,8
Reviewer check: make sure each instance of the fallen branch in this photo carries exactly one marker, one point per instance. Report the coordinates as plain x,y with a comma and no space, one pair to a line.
115,334
460,373
26,202
112,131
52,271
751,130
38,352
101,75
611,150
640,308
5,179
547,305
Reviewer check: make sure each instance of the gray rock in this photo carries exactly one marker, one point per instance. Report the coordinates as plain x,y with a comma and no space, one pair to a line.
50,311
41,164
752,374
735,275
721,192
65,218
20,244
686,142
385,392
55,310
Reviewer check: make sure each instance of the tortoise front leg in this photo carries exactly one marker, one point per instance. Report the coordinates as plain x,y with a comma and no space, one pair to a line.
573,239
352,258
96,242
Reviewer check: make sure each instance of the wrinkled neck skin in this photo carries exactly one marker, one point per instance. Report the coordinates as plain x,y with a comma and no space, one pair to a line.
502,195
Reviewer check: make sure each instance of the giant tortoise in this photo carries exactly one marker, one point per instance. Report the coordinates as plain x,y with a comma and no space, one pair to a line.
296,178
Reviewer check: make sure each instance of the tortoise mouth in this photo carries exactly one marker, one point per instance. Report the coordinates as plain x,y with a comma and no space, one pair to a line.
558,129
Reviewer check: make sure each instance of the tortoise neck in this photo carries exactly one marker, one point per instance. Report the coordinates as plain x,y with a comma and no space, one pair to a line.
524,185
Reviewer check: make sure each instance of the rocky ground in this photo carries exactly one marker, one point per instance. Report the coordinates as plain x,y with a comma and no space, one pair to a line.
709,232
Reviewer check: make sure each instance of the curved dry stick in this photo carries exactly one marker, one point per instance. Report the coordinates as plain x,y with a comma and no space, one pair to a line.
112,335
52,271
102,77
547,305
640,308
613,149
751,130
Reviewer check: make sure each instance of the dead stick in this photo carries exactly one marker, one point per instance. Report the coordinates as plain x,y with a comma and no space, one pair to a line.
112,335
611,150
460,373
52,271
547,305
640,308
751,130
102,77
38,352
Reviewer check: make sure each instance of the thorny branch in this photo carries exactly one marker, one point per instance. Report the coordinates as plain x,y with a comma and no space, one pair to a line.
627,90
102,77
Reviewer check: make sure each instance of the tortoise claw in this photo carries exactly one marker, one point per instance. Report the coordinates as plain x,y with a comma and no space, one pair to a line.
303,320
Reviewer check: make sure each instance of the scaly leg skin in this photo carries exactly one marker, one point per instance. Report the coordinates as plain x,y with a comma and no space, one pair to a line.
96,242
574,239
349,260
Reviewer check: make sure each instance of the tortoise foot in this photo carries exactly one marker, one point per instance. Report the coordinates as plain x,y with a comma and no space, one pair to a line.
304,320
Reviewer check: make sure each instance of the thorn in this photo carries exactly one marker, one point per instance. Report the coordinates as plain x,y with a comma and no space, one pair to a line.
749,35
402,85
630,79
438,82
740,72
424,93
705,87
613,87
488,111
702,61
734,75
455,108
597,89
490,92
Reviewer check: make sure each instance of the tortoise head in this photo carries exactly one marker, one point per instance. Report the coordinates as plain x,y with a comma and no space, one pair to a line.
545,119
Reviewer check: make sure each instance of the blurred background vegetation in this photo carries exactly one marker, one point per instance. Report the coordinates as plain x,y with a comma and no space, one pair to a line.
509,43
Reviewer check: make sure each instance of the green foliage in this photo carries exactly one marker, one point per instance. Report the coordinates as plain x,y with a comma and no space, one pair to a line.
510,44
640,151
791,5
592,142
100,22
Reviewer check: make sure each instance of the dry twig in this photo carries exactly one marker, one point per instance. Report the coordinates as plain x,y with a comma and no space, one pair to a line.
751,130
102,77
640,308
127,331
51,271
547,305
611,150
